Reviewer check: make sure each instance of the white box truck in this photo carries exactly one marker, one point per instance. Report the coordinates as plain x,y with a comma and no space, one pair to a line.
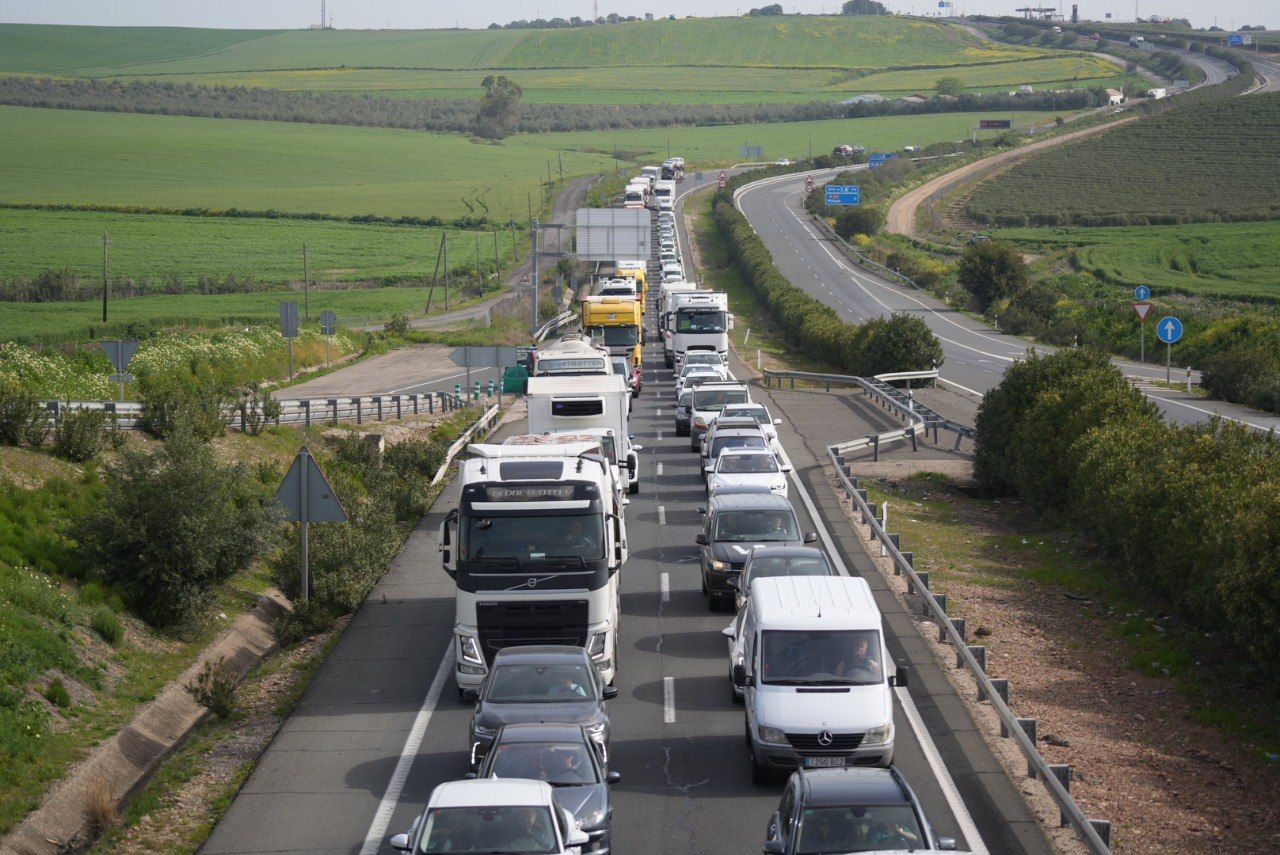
697,321
570,404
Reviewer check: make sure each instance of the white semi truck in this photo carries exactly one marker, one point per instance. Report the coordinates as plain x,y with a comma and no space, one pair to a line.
535,547
699,320
568,404
572,355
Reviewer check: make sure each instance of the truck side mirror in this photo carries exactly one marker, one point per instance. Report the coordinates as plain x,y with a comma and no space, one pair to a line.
739,675
445,542
609,693
731,323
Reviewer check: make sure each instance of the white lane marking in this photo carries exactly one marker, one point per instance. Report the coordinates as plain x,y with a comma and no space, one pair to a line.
373,839
668,701
658,468
954,801
474,371
1206,412
967,826
664,587
659,436
662,514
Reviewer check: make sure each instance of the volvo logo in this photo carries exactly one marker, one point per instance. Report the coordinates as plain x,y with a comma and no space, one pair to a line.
825,738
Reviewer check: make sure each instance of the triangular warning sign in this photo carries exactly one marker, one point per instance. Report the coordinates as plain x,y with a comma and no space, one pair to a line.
1143,309
318,502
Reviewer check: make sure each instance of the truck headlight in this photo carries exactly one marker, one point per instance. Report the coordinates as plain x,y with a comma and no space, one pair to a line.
719,566
469,649
700,422
770,734
595,649
878,735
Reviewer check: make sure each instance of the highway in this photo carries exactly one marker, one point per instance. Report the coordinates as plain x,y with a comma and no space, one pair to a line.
380,725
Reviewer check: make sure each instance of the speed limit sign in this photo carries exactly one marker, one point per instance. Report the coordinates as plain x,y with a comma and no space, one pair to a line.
808,184
722,179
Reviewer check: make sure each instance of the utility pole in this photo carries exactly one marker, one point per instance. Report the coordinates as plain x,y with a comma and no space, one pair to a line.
528,197
446,270
479,273
533,279
560,161
497,259
104,276
306,286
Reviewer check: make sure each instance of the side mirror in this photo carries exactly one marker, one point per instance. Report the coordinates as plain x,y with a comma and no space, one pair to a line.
702,511
613,777
637,448
400,843
947,843
445,542
609,693
811,537
739,675
777,421
577,837
728,632
773,847
633,463
471,776
701,539
902,676
786,467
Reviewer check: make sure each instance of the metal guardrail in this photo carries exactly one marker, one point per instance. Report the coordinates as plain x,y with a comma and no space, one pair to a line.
486,419
859,258
1094,833
552,325
307,411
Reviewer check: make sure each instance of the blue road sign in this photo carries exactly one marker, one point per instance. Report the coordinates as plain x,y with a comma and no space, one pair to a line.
1169,329
844,194
877,158
1141,293
1235,39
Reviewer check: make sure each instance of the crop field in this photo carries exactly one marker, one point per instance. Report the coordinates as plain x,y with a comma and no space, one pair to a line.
41,48
169,247
1205,162
1064,71
1230,260
62,156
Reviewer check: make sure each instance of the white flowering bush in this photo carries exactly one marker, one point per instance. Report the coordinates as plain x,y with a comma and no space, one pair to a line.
51,375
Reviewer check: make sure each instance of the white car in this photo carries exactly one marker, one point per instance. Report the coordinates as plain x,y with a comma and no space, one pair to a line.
697,377
709,370
748,467
667,245
672,272
759,412
512,815
783,162
665,205
668,256
705,357
666,217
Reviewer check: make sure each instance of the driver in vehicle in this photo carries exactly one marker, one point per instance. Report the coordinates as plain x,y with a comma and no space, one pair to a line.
567,685
576,537
892,835
859,658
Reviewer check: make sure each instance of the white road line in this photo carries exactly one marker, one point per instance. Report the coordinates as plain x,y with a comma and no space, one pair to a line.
662,514
474,371
668,703
967,827
658,468
664,587
659,436
373,839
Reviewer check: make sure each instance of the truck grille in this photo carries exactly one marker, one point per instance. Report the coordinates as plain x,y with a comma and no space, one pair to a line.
515,624
807,743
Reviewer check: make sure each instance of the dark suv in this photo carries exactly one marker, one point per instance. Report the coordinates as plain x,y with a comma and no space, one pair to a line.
733,525
850,810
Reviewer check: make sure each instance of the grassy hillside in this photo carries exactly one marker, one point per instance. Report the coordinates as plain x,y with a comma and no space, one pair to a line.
175,162
1233,260
165,248
72,50
1217,160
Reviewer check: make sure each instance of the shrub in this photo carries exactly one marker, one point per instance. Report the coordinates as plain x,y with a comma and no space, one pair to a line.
80,434
398,325
991,271
306,619
900,342
56,693
173,523
214,688
257,409
174,401
1242,372
859,220
22,416
108,626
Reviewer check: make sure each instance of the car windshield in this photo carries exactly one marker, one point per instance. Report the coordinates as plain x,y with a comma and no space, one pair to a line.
747,464
705,357
722,443
513,683
697,378
830,830
713,400
560,764
625,336
760,414
527,830
765,568
700,322
813,657
756,526
533,538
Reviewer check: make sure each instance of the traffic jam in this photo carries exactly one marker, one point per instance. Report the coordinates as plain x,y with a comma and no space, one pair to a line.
537,547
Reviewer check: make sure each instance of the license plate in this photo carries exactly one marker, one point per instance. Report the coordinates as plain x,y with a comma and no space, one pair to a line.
823,762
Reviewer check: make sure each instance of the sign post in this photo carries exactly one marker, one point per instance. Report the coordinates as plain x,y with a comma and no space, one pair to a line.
328,327
843,194
1168,330
120,353
1142,308
722,179
289,327
307,497
808,184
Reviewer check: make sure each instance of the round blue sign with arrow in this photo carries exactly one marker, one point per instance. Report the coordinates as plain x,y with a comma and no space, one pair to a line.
1141,293
1169,329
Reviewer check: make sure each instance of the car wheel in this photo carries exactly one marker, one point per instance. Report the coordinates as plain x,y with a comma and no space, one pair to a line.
633,488
669,362
760,775
693,445
733,692
462,695
704,585
714,605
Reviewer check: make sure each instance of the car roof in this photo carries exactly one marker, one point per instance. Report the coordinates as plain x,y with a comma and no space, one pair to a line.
724,422
814,602
732,431
853,786
487,792
541,654
749,502
541,732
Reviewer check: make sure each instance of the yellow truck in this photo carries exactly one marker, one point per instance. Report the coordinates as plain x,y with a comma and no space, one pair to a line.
635,270
618,323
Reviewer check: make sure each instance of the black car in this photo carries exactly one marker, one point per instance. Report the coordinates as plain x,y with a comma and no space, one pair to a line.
733,525
768,561
540,683
850,810
567,758
682,412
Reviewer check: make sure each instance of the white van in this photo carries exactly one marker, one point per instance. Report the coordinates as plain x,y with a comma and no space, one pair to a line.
815,673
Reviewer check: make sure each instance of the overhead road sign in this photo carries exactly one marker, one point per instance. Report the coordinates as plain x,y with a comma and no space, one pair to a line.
1141,293
876,158
604,234
1169,329
1235,39
306,497
844,194
995,124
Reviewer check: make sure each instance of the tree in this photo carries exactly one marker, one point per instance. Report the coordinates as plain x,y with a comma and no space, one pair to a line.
901,342
863,7
952,86
991,271
772,9
497,114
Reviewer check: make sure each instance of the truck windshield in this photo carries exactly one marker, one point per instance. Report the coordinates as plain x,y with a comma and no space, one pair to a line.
699,322
532,538
626,336
756,526
814,657
523,829
713,400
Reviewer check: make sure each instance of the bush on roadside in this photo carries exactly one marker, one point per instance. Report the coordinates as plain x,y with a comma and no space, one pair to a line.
108,626
306,619
859,220
174,523
194,403
398,325
900,342
991,271
257,409
22,416
79,435
214,688
56,693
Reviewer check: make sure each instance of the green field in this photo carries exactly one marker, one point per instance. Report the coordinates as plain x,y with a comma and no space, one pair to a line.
1237,260
161,247
64,156
1204,162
